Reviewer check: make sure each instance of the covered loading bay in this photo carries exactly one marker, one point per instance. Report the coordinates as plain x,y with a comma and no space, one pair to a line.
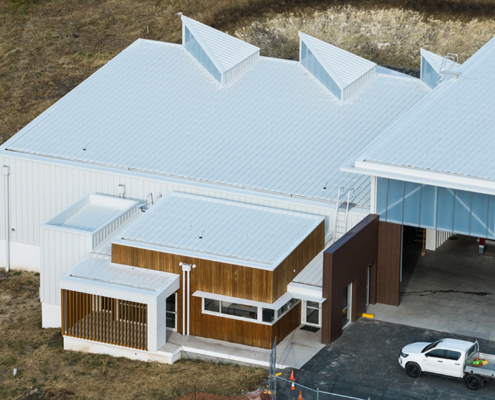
451,289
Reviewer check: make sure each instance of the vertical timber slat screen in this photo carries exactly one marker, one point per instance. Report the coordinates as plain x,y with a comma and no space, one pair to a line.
103,319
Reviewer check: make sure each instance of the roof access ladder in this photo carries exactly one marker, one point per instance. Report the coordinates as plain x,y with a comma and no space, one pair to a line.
341,213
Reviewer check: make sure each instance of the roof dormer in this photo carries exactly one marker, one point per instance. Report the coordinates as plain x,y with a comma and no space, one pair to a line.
222,55
343,73
433,65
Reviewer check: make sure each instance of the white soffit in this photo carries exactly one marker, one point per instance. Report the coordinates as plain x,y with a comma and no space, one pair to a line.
224,50
436,61
272,306
220,230
344,67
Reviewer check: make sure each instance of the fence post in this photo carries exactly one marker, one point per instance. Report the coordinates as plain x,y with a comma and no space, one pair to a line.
317,393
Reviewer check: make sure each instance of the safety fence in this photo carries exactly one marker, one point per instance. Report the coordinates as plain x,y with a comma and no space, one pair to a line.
291,390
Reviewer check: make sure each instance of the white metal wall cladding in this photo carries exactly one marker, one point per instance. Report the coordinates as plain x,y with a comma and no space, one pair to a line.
39,190
62,249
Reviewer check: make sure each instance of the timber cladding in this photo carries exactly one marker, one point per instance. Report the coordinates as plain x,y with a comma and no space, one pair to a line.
345,262
104,319
231,280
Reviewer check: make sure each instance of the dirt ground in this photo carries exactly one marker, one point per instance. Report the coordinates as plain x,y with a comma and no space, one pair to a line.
46,371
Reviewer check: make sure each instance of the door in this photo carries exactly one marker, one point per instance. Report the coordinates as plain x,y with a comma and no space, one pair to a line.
312,313
171,312
434,361
347,306
452,366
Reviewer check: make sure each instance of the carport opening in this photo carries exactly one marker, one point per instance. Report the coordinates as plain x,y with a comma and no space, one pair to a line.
451,289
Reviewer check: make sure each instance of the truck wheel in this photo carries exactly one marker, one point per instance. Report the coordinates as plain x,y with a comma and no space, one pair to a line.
473,382
413,370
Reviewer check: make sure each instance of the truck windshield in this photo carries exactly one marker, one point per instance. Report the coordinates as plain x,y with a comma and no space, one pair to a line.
431,346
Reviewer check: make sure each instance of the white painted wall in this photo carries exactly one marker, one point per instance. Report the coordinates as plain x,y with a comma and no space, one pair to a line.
434,239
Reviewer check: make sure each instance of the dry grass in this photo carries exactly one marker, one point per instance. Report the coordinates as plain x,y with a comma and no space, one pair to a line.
390,37
46,371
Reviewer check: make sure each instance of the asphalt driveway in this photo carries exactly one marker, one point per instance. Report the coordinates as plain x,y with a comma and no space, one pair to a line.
363,363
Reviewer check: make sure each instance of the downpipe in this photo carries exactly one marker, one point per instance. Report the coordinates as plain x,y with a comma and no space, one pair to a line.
6,173
186,312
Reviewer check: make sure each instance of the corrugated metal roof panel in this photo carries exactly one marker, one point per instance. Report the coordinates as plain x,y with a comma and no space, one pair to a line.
312,274
101,269
275,129
222,230
436,61
451,130
344,67
225,51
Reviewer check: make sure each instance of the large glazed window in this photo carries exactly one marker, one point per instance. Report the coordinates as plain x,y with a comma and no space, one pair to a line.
197,51
313,65
247,312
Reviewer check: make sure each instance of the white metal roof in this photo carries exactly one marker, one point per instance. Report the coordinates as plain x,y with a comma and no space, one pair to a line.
312,274
344,67
224,50
436,61
91,213
275,129
448,138
221,230
100,269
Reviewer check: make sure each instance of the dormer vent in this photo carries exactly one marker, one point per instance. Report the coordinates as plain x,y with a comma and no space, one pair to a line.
433,66
343,73
223,56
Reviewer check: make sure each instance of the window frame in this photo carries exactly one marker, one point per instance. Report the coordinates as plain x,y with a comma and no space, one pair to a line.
260,309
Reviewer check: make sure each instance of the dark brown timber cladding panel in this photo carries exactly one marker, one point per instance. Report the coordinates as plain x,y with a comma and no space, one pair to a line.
344,262
388,273
297,260
238,331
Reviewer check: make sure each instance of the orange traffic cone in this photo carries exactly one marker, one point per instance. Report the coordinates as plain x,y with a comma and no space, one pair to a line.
293,387
292,376
300,396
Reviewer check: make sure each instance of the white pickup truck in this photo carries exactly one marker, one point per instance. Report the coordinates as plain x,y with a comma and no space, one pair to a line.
449,357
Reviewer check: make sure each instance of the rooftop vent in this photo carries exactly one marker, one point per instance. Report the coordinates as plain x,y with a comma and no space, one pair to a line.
222,55
343,73
435,67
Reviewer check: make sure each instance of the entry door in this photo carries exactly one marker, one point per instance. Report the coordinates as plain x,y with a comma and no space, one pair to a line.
347,306
312,313
434,361
171,312
452,364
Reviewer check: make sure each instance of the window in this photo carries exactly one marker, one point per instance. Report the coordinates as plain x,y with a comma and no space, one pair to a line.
437,353
368,286
346,305
171,312
239,310
268,315
243,311
453,355
212,305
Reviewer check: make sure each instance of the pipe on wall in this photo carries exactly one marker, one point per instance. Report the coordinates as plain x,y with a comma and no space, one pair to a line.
186,272
6,173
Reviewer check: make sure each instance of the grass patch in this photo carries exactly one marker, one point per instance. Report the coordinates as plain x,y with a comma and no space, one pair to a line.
45,370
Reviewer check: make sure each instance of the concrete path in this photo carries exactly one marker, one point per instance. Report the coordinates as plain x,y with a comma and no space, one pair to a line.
451,289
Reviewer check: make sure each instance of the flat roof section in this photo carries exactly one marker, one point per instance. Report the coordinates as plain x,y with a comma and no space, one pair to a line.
91,213
97,269
220,230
